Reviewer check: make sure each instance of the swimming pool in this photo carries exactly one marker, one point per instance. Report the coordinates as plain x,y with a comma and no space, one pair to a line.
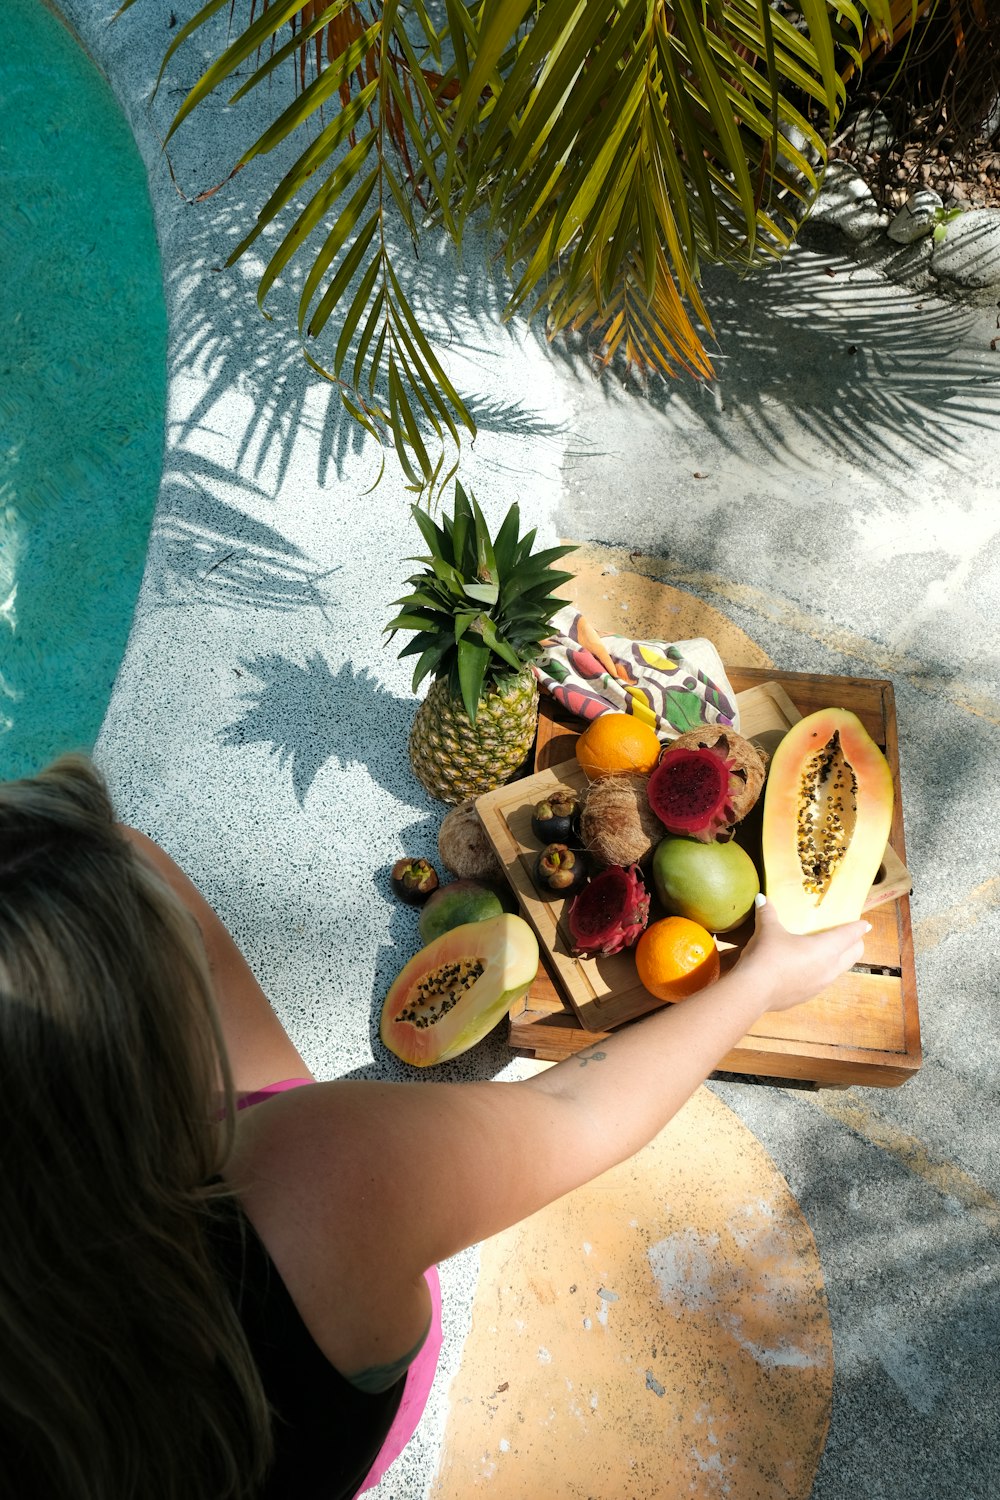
82,387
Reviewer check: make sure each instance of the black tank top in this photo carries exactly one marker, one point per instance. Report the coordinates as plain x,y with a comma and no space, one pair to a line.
326,1432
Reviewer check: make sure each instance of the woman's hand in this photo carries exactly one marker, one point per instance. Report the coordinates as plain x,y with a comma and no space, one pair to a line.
794,967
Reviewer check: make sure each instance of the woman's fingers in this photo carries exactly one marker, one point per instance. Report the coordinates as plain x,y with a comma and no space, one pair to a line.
798,966
853,936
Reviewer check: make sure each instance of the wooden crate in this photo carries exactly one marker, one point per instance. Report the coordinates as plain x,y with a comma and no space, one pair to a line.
865,1028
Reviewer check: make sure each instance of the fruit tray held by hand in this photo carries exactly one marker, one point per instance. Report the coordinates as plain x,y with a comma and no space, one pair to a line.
606,992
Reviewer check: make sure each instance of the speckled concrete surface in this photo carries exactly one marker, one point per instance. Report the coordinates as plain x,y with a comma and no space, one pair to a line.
835,495
837,498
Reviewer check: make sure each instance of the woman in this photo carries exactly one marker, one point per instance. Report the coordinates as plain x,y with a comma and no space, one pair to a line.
201,1299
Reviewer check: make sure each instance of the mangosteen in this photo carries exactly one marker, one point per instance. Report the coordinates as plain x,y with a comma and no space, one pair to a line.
556,819
413,880
560,871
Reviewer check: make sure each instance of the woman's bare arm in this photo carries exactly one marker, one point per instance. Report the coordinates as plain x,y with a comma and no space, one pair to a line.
391,1178
631,1085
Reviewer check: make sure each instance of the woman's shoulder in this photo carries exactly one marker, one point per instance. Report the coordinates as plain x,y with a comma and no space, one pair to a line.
302,1171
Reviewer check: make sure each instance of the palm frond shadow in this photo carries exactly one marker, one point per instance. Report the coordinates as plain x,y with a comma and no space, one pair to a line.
812,354
226,341
204,548
223,338
308,715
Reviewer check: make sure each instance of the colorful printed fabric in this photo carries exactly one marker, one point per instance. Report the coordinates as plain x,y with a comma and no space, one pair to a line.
673,687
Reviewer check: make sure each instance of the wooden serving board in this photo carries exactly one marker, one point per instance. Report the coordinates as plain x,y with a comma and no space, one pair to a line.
604,992
865,1028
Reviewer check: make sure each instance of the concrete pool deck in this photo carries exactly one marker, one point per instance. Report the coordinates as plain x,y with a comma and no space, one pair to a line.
835,496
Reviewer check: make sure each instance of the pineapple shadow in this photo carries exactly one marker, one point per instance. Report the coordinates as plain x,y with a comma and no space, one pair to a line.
309,715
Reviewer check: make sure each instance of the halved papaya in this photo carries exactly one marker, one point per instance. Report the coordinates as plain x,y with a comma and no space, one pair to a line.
827,813
455,990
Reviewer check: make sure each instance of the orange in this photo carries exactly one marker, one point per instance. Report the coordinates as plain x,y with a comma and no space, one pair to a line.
675,956
615,743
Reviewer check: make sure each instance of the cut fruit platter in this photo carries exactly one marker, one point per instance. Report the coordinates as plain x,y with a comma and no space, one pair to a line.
863,1029
478,614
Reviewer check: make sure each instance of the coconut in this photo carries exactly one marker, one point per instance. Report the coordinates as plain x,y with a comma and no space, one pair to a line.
464,848
747,762
617,824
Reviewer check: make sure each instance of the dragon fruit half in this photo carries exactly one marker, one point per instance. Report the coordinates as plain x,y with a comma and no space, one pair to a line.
691,792
610,913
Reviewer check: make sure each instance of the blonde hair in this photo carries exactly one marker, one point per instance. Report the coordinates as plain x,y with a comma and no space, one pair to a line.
124,1370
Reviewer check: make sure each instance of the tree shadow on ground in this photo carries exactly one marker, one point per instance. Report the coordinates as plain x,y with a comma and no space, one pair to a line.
812,347
915,1314
912,1271
817,356
207,549
308,715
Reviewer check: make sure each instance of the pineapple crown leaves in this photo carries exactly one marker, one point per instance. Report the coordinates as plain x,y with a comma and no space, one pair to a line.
481,607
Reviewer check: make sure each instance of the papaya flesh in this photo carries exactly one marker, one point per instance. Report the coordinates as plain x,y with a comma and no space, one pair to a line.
454,991
827,815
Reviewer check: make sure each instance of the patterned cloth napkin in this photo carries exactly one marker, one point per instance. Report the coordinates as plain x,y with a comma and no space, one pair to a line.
673,687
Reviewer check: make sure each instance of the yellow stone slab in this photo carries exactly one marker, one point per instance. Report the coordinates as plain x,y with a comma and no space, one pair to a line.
660,1333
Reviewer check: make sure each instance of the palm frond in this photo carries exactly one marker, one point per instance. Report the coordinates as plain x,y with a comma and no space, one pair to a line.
614,147
645,141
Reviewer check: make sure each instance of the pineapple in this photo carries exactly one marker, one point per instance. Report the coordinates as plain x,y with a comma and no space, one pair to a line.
481,610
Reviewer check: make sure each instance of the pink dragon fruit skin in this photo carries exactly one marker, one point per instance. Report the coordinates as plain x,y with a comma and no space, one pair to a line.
610,913
690,793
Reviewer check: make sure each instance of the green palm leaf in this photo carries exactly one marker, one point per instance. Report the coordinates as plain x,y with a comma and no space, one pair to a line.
615,149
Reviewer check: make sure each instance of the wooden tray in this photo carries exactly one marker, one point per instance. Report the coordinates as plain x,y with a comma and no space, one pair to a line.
603,992
865,1028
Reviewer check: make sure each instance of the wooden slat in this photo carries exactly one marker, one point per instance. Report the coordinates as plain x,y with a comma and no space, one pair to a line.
837,1069
543,1025
861,1011
882,943
908,979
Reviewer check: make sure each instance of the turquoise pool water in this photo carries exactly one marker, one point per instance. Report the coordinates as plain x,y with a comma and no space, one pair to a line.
82,387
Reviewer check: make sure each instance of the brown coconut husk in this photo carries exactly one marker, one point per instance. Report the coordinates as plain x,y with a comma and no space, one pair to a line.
748,761
617,824
464,847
